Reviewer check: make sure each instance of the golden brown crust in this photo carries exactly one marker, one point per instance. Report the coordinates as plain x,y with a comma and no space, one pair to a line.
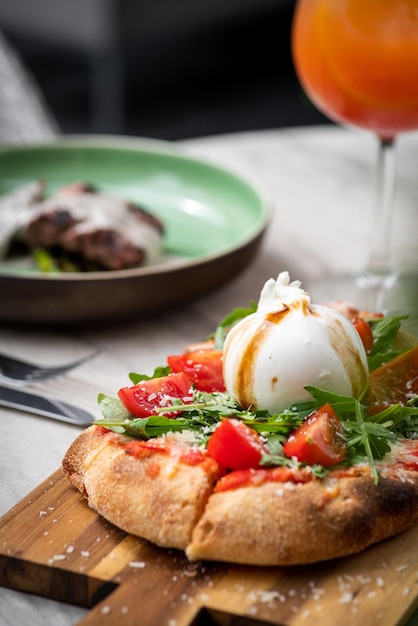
290,524
157,497
73,462
172,502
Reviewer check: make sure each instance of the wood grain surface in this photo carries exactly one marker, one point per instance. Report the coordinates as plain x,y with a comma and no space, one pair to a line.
53,544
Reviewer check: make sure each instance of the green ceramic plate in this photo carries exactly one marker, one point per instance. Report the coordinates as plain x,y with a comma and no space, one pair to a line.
214,220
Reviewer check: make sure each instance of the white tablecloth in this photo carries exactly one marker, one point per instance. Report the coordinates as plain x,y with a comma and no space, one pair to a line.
321,182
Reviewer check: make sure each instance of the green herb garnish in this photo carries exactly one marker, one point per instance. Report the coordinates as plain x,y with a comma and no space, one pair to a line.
229,321
159,372
384,330
368,437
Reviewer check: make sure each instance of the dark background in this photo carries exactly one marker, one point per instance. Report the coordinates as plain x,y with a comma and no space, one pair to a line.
225,71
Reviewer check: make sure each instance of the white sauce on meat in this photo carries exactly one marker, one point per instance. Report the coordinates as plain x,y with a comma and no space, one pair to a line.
95,211
92,210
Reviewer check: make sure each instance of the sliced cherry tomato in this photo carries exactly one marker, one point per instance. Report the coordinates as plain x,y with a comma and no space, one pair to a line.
364,330
203,367
144,398
320,439
234,445
392,383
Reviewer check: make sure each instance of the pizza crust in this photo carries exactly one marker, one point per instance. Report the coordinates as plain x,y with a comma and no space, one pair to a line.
174,504
300,523
157,497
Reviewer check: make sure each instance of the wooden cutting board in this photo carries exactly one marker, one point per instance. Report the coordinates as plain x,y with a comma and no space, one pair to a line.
53,544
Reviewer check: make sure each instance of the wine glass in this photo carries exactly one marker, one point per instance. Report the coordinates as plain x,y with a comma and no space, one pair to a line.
357,60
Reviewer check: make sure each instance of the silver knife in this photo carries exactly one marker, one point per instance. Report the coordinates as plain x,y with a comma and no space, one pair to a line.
47,407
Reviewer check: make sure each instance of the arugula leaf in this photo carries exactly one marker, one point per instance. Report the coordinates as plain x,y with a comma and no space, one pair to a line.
341,404
113,411
384,332
229,321
156,426
384,348
280,425
159,372
117,418
365,439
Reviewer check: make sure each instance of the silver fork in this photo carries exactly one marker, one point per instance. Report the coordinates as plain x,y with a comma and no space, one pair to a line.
26,372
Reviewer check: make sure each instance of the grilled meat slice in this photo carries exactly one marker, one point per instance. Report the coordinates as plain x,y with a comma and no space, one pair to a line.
111,233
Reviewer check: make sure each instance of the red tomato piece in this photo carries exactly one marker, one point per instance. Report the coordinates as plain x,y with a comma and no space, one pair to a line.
144,398
394,382
320,439
364,330
203,367
234,445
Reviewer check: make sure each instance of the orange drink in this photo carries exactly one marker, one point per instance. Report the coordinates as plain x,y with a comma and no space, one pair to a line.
358,61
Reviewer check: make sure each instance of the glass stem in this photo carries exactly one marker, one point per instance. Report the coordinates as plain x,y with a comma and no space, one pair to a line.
380,263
